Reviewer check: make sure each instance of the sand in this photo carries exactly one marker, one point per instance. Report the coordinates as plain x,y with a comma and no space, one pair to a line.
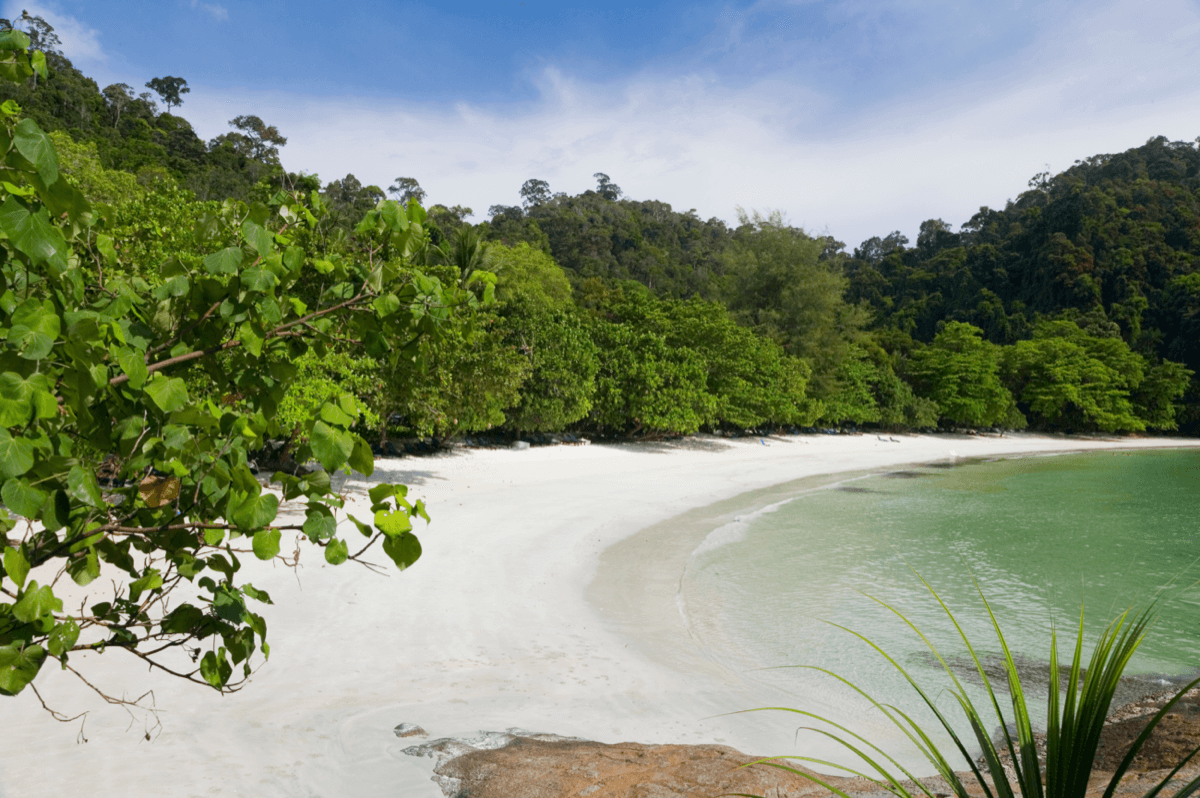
543,601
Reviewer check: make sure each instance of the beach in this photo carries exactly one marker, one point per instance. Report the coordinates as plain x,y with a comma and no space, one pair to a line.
544,600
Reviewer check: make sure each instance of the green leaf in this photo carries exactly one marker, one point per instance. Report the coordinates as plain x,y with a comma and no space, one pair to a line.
258,595
22,498
35,603
23,397
33,234
35,326
250,339
182,619
105,245
258,280
332,414
361,457
317,482
331,447
381,492
256,512
215,668
266,543
337,552
37,148
37,59
386,305
16,566
404,549
16,455
227,261
319,523
258,237
56,511
151,581
19,666
169,393
82,485
365,529
133,363
63,637
13,39
293,258
393,523
84,570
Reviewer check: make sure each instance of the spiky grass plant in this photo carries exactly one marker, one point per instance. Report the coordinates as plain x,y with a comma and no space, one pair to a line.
1075,718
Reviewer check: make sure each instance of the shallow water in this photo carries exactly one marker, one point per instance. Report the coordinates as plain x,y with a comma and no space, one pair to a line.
1040,534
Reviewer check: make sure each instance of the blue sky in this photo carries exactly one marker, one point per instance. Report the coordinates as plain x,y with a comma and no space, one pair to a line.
853,118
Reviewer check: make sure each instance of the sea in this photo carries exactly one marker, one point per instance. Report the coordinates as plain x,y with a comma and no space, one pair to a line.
814,594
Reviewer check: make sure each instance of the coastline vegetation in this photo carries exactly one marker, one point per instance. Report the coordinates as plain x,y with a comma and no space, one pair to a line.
1071,309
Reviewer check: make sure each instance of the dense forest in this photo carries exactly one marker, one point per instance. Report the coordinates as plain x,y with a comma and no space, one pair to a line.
1073,308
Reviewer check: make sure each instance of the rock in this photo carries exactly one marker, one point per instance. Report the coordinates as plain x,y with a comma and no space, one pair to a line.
546,766
410,730
520,445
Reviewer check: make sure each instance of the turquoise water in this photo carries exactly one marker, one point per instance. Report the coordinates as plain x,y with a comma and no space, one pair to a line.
1040,534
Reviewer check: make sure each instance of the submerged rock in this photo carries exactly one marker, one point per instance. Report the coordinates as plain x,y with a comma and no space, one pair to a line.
410,730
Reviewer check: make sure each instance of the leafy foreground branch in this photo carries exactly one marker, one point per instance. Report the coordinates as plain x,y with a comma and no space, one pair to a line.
128,411
1075,720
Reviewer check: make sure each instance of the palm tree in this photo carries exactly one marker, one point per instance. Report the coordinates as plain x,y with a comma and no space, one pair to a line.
465,250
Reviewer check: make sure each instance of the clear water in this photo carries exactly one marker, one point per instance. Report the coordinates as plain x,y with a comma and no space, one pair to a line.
1041,535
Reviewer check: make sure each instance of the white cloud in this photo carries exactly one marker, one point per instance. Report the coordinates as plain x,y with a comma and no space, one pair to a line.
219,13
1108,81
79,42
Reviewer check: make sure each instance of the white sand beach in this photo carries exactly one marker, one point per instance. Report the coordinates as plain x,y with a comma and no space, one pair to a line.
504,622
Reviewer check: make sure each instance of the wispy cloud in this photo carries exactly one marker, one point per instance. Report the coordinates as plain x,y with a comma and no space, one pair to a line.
219,13
79,42
1106,80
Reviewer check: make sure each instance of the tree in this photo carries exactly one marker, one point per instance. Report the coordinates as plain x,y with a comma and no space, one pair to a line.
777,283
606,188
465,251
118,96
1069,379
170,89
534,193
539,321
265,140
129,414
407,190
961,372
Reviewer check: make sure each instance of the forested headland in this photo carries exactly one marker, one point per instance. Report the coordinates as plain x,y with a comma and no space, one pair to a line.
1076,307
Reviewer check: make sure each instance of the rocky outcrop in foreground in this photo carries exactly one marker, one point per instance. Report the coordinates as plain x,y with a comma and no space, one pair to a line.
519,764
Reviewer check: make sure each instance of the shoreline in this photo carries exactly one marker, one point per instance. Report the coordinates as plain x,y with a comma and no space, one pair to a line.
496,626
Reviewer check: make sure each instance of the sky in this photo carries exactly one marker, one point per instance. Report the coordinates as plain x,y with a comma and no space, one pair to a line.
854,117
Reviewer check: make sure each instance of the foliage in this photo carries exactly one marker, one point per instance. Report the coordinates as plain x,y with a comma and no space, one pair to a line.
407,189
1075,718
170,89
752,380
456,384
777,282
540,322
80,163
323,379
119,469
853,401
1070,379
669,366
961,372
